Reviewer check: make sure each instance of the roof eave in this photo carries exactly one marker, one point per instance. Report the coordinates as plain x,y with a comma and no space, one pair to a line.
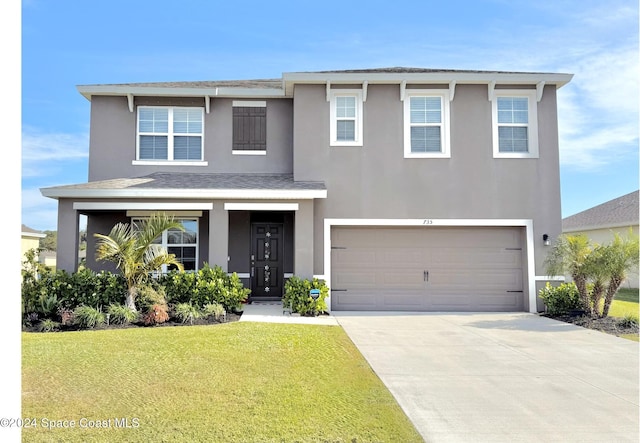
89,91
259,194
502,78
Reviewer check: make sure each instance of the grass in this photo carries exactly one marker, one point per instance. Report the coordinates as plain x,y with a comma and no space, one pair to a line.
236,382
626,303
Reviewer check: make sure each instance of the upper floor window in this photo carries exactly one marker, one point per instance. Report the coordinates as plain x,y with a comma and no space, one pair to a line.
170,133
515,124
249,127
346,117
426,124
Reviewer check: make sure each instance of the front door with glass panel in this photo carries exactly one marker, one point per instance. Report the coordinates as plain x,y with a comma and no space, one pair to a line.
266,260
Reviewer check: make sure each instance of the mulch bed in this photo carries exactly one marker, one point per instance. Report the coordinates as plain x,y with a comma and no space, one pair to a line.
610,325
200,321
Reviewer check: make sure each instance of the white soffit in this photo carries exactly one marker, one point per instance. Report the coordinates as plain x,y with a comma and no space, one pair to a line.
142,206
261,206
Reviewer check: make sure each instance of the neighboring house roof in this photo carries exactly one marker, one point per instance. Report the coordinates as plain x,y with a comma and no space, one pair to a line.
284,87
619,212
32,233
195,185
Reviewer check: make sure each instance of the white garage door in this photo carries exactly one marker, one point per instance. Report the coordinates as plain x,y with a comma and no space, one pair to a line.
427,269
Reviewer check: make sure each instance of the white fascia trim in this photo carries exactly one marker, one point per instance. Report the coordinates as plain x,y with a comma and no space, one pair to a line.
135,213
260,194
168,163
261,206
247,152
505,78
429,223
250,103
32,234
159,91
146,206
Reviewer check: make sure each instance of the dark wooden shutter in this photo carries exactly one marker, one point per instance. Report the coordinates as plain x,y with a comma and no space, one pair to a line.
249,128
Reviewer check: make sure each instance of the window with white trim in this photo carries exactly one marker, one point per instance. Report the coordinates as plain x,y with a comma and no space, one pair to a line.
183,244
170,133
346,117
515,124
426,123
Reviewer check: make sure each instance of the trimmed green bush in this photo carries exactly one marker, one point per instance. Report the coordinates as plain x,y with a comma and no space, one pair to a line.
87,317
208,285
561,299
296,295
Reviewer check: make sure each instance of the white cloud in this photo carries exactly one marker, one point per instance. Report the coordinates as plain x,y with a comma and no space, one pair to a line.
41,151
39,212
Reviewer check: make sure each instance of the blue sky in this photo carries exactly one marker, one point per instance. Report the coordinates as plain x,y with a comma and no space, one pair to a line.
70,42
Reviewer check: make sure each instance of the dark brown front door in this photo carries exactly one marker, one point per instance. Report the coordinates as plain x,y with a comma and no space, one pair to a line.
266,260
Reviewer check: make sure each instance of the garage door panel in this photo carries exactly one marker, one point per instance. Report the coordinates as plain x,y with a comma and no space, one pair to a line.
509,279
469,269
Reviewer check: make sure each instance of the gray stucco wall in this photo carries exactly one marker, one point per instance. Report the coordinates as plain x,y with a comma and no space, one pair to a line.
113,138
376,181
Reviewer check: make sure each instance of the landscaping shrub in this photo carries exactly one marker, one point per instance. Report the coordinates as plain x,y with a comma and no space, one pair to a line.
628,321
87,317
121,315
155,314
48,325
214,309
47,293
150,295
208,285
186,312
561,299
296,295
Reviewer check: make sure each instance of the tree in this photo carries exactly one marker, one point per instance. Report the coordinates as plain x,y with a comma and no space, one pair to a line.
620,256
131,248
50,242
569,255
597,270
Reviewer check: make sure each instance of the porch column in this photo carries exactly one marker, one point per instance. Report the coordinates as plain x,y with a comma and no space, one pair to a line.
68,236
219,236
303,240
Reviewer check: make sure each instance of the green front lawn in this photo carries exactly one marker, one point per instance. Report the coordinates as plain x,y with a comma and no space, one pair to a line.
237,382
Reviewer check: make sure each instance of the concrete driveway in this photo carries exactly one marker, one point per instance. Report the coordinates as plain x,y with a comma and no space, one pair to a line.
512,377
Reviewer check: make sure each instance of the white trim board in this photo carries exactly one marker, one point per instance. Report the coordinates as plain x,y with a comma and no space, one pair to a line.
186,193
429,223
261,206
126,206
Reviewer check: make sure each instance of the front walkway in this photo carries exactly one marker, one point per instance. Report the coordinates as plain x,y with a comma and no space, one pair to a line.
272,312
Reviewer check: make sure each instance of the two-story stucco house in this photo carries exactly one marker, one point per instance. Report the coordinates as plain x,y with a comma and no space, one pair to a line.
405,189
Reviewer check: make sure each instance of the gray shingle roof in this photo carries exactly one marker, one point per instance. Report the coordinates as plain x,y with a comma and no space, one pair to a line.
621,211
179,180
254,84
29,230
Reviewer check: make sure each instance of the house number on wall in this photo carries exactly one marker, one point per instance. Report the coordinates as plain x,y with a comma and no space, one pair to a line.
427,221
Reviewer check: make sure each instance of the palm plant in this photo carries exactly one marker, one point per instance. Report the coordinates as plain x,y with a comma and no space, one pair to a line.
621,255
571,255
132,249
